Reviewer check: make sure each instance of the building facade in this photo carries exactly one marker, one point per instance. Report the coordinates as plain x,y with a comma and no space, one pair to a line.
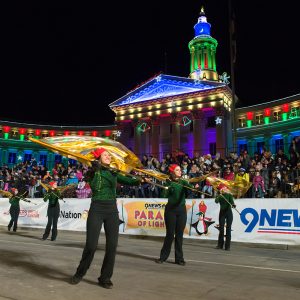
167,113
16,148
272,125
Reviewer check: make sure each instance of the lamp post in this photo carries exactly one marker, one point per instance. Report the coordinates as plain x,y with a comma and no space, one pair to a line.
232,45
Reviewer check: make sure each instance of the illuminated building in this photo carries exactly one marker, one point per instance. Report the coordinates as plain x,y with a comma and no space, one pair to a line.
169,113
15,147
272,125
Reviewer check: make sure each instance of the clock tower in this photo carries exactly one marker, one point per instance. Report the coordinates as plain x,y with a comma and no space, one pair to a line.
203,51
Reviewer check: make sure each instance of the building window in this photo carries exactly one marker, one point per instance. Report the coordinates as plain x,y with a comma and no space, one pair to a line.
72,162
43,159
294,112
276,115
27,157
57,158
12,157
260,146
211,123
131,132
242,122
191,126
258,119
212,148
279,145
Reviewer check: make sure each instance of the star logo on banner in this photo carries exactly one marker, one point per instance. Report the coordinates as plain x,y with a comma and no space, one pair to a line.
218,121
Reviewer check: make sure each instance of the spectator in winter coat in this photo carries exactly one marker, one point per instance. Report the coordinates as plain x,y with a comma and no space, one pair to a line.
228,174
258,185
275,186
265,175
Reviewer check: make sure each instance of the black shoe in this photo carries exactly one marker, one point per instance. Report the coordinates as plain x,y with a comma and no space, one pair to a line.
109,281
53,239
75,279
227,249
14,230
107,285
9,228
218,247
181,262
44,238
159,261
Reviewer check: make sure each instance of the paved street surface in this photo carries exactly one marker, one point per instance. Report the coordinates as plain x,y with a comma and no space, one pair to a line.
36,269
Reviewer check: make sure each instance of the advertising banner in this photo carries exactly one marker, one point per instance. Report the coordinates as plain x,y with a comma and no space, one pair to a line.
273,221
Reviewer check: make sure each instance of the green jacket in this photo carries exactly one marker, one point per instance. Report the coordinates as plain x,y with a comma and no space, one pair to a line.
53,196
176,192
15,201
104,184
224,205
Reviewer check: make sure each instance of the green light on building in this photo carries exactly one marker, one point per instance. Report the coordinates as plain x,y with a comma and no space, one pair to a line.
6,135
284,116
267,120
22,137
249,123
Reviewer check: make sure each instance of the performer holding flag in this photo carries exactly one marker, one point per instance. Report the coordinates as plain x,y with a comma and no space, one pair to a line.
103,211
52,195
111,163
14,209
225,199
175,216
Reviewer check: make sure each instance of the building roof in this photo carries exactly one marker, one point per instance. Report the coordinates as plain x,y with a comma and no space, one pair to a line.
162,86
268,103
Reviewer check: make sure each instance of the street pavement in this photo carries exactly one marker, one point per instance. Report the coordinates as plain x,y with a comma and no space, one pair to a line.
35,269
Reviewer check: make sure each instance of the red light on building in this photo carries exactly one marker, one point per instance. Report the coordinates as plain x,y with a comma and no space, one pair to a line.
249,115
107,133
94,133
52,133
22,130
80,132
267,112
6,129
285,108
37,132
67,132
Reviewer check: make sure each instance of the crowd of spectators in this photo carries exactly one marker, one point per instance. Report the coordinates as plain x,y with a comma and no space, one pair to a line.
273,175
28,176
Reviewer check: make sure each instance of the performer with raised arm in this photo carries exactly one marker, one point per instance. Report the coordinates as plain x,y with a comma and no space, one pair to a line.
103,211
52,195
111,163
225,199
14,209
175,216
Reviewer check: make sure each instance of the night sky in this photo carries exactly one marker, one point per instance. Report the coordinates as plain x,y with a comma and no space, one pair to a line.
55,56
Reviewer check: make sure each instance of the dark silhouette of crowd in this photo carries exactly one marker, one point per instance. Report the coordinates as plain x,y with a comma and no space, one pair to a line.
273,175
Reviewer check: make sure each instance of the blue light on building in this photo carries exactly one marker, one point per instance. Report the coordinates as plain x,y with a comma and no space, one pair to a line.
202,27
